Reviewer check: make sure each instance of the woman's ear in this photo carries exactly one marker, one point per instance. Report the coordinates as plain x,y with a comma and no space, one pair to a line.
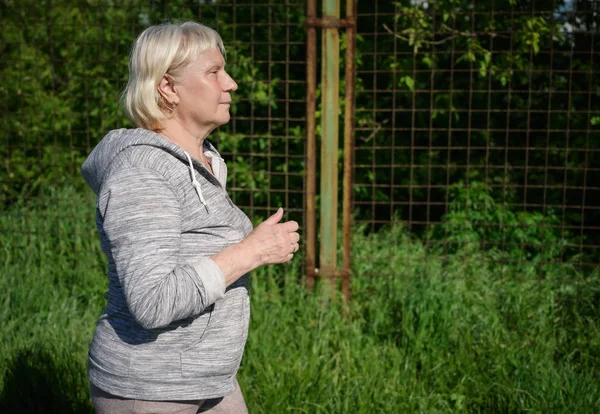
166,89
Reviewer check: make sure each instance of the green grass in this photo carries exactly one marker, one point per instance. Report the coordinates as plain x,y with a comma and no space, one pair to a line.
424,332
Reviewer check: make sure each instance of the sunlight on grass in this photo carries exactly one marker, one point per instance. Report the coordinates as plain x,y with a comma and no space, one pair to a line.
426,332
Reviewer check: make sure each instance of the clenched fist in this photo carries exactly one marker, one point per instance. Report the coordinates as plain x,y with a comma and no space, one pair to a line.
269,243
274,242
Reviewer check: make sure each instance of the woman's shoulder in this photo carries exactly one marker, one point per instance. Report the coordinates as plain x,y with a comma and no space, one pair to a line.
141,148
149,157
127,148
139,164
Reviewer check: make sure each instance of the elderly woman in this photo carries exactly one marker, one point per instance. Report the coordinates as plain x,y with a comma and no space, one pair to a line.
179,251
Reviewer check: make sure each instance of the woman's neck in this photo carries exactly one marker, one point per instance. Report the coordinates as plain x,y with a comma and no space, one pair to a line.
175,132
190,141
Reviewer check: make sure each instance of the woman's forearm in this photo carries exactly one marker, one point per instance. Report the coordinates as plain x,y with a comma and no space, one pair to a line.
235,261
270,242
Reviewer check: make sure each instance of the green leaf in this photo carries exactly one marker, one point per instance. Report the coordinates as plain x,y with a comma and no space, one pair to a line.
409,82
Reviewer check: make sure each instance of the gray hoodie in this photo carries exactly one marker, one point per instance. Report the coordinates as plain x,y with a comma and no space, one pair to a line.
170,329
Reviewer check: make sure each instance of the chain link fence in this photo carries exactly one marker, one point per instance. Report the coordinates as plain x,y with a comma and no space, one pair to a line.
478,131
476,124
66,65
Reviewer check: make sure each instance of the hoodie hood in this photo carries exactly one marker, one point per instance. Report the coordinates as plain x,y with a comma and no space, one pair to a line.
96,166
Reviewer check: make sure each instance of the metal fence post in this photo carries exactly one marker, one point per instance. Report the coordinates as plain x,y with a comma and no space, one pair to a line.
330,23
311,143
329,138
348,143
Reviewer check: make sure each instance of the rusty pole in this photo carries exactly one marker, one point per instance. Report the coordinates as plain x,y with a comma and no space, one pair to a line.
329,138
311,144
348,142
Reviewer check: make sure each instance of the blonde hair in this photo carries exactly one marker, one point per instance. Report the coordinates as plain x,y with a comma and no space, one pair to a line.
162,49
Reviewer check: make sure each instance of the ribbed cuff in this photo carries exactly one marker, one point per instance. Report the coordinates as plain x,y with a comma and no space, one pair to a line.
212,279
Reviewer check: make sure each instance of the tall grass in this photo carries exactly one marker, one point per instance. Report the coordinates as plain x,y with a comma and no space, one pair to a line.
446,333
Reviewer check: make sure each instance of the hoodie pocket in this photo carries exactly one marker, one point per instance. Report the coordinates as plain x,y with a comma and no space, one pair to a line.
159,356
220,350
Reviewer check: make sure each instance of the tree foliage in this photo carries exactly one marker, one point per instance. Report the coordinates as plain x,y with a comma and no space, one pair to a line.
500,92
67,62
503,93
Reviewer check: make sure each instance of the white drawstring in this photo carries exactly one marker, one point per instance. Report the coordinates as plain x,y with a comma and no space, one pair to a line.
195,182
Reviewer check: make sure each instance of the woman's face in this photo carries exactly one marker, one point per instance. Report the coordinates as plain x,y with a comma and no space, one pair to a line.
205,93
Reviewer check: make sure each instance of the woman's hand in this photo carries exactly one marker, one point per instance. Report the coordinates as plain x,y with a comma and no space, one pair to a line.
269,243
273,242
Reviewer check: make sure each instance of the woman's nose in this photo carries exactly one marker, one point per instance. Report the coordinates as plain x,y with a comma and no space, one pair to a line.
230,84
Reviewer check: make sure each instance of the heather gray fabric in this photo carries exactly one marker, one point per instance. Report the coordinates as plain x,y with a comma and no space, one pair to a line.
170,330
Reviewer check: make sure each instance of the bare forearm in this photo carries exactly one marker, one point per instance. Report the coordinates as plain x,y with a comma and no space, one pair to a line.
235,261
271,242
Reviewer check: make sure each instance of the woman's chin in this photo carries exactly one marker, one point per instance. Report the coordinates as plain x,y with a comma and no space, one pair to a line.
225,119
